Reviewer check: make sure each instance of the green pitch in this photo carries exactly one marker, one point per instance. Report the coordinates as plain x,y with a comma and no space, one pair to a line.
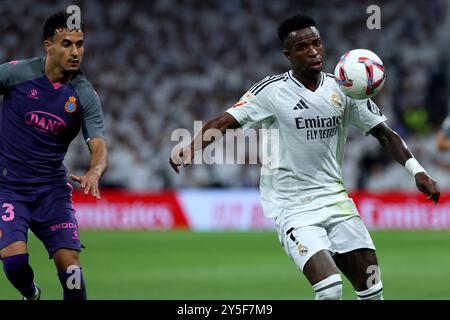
232,265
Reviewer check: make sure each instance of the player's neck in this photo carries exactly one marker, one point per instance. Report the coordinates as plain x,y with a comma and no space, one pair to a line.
56,74
309,81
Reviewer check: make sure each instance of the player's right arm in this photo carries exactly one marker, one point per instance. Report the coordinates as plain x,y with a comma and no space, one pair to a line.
184,155
94,134
249,110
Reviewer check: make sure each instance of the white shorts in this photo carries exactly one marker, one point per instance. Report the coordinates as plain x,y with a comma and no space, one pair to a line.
334,230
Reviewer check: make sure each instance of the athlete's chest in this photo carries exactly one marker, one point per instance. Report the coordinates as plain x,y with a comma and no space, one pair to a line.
42,107
302,109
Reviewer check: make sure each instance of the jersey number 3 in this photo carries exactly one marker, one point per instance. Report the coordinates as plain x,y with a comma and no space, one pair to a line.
9,212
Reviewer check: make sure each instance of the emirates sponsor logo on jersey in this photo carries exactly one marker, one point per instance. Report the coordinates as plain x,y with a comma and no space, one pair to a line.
45,122
319,127
318,122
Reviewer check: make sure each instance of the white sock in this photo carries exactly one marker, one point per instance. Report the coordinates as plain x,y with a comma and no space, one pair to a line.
329,288
375,292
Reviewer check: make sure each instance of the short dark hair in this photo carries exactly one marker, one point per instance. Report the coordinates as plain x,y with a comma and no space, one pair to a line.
54,22
296,22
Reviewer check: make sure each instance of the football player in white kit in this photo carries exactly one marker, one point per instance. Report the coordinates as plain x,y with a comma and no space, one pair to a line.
318,224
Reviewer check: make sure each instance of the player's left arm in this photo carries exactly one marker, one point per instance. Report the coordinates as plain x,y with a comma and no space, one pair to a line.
94,134
97,166
395,145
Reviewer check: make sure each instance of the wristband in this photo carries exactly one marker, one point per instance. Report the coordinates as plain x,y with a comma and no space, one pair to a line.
413,166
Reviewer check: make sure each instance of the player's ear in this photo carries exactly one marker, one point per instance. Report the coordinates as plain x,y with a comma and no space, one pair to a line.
47,45
287,54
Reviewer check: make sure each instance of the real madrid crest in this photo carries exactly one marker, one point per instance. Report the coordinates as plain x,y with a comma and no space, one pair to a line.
71,105
303,250
336,100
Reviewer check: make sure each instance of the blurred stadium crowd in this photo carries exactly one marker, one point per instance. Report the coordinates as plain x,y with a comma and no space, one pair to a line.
160,65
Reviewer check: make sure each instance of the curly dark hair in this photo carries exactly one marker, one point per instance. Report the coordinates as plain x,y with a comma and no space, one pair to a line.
296,22
54,22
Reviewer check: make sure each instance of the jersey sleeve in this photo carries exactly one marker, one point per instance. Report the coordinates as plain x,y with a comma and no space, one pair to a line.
17,71
252,109
7,71
365,114
92,123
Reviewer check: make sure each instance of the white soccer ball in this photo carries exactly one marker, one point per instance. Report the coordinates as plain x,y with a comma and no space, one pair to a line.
360,74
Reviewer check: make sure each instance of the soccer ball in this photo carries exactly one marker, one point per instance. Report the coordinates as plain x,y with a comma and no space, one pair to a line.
360,74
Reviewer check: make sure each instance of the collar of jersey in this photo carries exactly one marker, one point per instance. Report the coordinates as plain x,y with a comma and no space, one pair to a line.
291,76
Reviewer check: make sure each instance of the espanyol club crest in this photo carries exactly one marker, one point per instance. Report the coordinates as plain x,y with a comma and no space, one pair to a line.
71,105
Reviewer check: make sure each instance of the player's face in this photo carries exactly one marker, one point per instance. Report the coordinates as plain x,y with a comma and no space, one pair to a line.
305,51
66,49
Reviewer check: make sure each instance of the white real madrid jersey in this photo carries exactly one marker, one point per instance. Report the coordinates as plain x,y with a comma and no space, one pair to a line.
306,138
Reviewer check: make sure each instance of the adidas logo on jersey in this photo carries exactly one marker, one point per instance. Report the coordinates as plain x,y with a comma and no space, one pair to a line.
301,105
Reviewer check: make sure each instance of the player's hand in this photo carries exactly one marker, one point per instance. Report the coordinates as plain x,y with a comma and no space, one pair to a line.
427,185
182,156
89,183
